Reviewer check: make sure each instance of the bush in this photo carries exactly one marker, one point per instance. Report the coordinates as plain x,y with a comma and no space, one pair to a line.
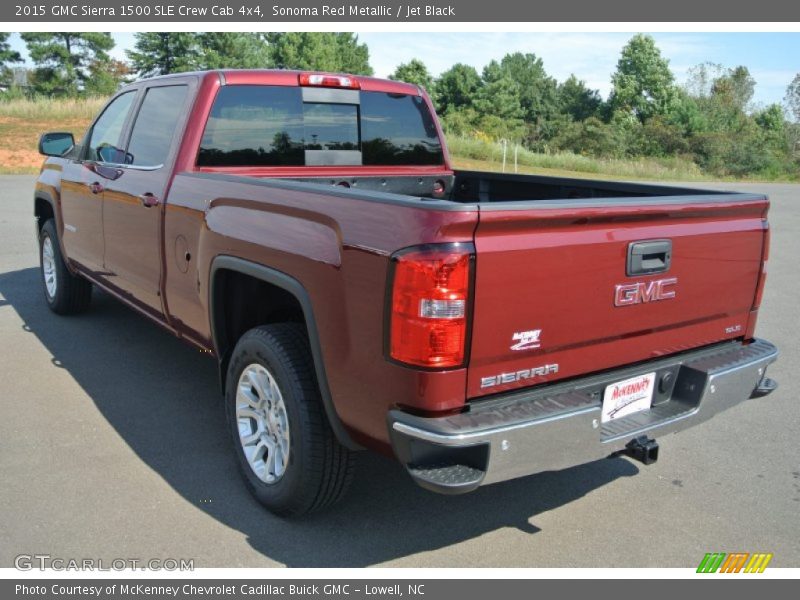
591,137
661,138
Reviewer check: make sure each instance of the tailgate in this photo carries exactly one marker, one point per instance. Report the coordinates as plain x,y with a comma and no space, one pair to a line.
555,296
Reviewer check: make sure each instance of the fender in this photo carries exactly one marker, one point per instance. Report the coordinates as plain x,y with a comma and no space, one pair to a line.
294,287
45,196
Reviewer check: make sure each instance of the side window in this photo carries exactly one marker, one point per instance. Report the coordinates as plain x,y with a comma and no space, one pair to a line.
155,125
103,143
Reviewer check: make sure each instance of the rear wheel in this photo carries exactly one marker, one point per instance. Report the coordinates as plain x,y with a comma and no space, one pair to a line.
64,292
286,449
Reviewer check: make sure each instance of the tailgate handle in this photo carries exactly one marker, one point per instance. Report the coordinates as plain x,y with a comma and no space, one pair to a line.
653,256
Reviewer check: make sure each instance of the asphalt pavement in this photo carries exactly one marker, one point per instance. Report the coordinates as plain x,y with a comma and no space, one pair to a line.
112,445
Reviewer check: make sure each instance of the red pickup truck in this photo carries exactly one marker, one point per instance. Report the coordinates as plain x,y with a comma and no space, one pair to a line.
309,230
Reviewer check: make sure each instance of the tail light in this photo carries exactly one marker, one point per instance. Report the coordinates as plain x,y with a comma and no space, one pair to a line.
430,289
327,80
762,277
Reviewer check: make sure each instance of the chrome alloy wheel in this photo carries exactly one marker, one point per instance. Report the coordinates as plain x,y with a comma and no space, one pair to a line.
49,267
263,423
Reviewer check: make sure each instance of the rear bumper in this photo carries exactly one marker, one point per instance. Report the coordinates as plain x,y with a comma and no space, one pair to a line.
559,426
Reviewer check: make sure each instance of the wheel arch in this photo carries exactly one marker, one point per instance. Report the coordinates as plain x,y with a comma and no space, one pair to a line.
43,208
223,344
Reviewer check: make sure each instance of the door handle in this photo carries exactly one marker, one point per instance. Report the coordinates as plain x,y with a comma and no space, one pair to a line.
148,200
96,187
649,257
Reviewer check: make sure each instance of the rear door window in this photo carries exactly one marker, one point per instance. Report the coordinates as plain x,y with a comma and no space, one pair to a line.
155,125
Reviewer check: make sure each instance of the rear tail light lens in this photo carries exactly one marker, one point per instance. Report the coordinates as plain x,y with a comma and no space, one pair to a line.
430,297
327,80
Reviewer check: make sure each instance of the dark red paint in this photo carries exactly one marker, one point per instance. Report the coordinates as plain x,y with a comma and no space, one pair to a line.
150,238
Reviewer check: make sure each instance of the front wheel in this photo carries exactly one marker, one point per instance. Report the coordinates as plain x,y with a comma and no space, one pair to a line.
286,449
64,292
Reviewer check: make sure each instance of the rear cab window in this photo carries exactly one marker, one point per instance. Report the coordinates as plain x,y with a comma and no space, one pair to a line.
263,126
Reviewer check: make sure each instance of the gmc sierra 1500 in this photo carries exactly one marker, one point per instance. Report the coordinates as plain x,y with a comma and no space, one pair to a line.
358,292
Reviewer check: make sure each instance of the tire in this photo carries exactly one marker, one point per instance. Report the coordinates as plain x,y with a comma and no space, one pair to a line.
65,293
304,468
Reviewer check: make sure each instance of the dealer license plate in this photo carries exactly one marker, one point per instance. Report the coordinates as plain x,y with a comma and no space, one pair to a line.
627,397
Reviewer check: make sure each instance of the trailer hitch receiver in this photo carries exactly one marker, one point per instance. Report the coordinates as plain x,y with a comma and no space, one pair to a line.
643,449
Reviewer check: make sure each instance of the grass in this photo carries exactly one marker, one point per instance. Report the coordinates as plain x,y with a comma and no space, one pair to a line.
471,153
23,120
42,108
479,155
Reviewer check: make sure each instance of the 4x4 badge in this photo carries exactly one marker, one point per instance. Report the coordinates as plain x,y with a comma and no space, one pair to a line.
526,340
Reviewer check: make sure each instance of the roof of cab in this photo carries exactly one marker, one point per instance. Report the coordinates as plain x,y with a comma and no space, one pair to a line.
290,78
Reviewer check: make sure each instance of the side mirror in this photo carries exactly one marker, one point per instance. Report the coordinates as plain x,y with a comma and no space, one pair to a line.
113,155
56,143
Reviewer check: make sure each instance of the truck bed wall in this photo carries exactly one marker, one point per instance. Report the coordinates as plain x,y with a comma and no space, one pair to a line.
480,186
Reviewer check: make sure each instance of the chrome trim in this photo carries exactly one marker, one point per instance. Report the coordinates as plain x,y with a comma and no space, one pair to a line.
130,167
713,381
478,436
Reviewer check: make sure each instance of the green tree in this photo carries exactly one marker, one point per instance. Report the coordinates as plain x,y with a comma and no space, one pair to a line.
463,121
735,88
353,56
105,77
643,84
232,50
792,98
7,56
701,78
161,53
687,114
63,59
771,120
456,88
498,105
538,92
319,51
590,137
414,72
577,100
500,94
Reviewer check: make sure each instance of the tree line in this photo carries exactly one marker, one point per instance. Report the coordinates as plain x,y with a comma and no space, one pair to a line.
71,64
710,119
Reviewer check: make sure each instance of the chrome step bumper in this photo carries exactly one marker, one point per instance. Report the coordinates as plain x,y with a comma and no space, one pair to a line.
559,426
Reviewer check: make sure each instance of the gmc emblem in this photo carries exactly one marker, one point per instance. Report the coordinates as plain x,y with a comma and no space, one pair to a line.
626,294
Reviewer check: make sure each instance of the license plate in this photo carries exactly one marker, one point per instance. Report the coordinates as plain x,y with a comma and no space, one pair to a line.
627,397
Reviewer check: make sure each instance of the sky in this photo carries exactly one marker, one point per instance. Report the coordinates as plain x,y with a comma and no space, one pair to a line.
772,58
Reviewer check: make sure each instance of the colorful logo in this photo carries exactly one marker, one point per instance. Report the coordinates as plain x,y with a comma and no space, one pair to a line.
736,562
